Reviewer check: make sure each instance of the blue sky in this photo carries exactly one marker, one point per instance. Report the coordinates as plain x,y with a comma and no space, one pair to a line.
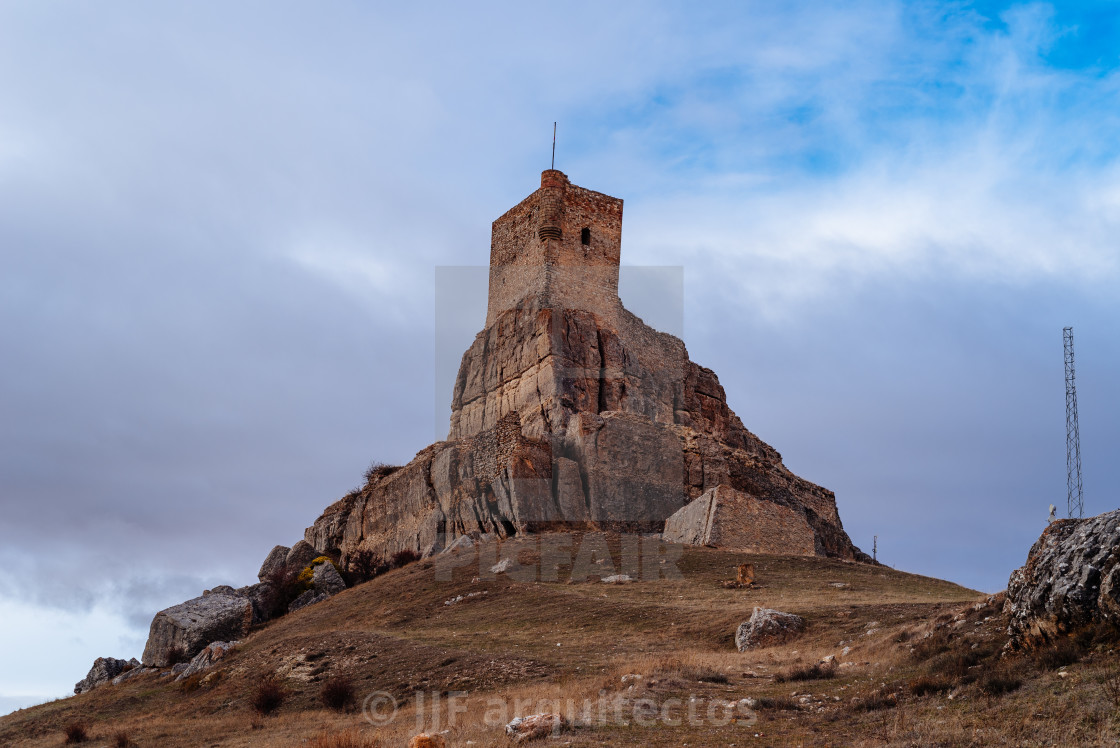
219,228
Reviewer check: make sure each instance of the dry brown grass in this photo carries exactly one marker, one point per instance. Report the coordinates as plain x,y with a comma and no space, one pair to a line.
395,635
347,739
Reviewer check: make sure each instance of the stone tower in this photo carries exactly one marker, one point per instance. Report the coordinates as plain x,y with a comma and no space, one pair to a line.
570,412
560,248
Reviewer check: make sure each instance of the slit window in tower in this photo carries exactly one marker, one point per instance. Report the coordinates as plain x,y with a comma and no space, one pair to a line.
585,237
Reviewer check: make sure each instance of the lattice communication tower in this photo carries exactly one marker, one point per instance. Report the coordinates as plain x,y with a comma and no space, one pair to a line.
1075,502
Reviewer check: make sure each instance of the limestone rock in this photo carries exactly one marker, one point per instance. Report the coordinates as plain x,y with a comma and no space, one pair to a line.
301,554
210,655
258,596
190,626
104,670
535,726
309,597
132,673
1071,579
275,559
326,579
766,628
726,518
221,589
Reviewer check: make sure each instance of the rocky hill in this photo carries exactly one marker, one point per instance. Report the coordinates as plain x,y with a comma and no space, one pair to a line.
883,658
570,412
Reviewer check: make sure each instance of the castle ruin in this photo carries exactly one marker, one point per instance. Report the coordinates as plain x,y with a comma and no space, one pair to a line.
569,412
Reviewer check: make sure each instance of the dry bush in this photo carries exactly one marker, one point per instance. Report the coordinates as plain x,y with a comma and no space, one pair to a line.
378,470
123,740
337,693
999,682
348,739
364,566
76,732
927,684
954,665
1110,684
269,696
875,701
806,672
406,556
936,643
1062,653
704,675
176,654
284,586
777,703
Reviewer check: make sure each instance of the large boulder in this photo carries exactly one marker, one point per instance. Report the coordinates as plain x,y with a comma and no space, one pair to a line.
1071,580
260,597
768,627
301,554
276,559
326,579
183,630
104,670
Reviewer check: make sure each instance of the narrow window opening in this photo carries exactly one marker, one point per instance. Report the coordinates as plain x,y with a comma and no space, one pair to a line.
585,237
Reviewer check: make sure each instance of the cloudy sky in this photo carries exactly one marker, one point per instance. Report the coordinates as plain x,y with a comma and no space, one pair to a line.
221,223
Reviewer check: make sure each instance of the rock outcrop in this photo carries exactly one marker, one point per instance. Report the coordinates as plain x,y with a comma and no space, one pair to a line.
181,631
766,628
104,670
1071,580
210,655
570,412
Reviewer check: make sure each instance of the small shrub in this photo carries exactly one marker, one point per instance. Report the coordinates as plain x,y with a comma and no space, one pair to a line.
269,696
933,645
807,672
123,740
176,654
1064,652
191,683
378,470
926,684
406,556
999,682
704,675
954,664
777,703
283,587
1110,684
348,739
875,701
337,693
364,566
76,732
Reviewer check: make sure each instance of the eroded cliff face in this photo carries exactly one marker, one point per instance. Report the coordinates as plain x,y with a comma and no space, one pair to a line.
570,412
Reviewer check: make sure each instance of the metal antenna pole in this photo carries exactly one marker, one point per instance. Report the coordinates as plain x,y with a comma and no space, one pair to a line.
553,145
1074,499
875,548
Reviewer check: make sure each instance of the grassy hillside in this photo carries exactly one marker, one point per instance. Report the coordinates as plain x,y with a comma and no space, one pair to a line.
654,663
